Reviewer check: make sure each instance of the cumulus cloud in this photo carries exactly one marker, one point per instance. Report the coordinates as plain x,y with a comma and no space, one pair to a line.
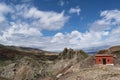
112,16
47,20
109,18
77,40
115,34
59,37
76,10
102,32
4,9
25,23
19,31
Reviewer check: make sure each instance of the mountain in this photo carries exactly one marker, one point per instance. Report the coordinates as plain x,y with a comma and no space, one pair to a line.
23,63
115,48
110,50
93,50
15,52
86,69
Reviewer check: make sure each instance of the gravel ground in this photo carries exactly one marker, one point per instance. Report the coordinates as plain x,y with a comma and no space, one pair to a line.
95,73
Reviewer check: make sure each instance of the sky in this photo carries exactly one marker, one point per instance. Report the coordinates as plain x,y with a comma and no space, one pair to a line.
53,25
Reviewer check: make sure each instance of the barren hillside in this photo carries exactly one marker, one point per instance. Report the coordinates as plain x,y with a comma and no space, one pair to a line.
18,63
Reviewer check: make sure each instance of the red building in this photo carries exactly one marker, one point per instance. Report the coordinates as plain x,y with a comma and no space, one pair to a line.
105,59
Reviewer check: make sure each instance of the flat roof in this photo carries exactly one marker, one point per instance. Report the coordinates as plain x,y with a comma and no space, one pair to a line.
104,55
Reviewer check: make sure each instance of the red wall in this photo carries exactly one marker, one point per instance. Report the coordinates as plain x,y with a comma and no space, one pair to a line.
109,59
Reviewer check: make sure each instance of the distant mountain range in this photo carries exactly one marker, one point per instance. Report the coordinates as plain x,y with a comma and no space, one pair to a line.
93,50
89,50
24,63
11,52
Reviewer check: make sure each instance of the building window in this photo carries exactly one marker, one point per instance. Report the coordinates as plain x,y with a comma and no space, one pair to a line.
108,60
99,60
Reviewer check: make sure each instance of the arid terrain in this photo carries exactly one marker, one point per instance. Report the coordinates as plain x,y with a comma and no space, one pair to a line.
20,63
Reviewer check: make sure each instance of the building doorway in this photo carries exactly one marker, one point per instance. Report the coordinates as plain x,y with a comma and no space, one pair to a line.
104,61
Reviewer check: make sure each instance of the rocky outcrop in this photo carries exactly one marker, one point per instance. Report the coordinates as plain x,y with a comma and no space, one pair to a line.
25,69
70,54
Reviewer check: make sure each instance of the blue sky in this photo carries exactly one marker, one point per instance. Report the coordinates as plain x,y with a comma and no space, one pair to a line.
55,24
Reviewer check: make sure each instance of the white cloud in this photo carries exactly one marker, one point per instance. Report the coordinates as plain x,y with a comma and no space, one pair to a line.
4,9
19,30
109,23
25,25
112,16
109,18
59,37
76,38
100,25
47,20
104,31
114,35
75,10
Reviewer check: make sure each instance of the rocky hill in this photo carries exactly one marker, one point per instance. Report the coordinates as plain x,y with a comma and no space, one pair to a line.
70,53
14,52
21,63
114,49
86,69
